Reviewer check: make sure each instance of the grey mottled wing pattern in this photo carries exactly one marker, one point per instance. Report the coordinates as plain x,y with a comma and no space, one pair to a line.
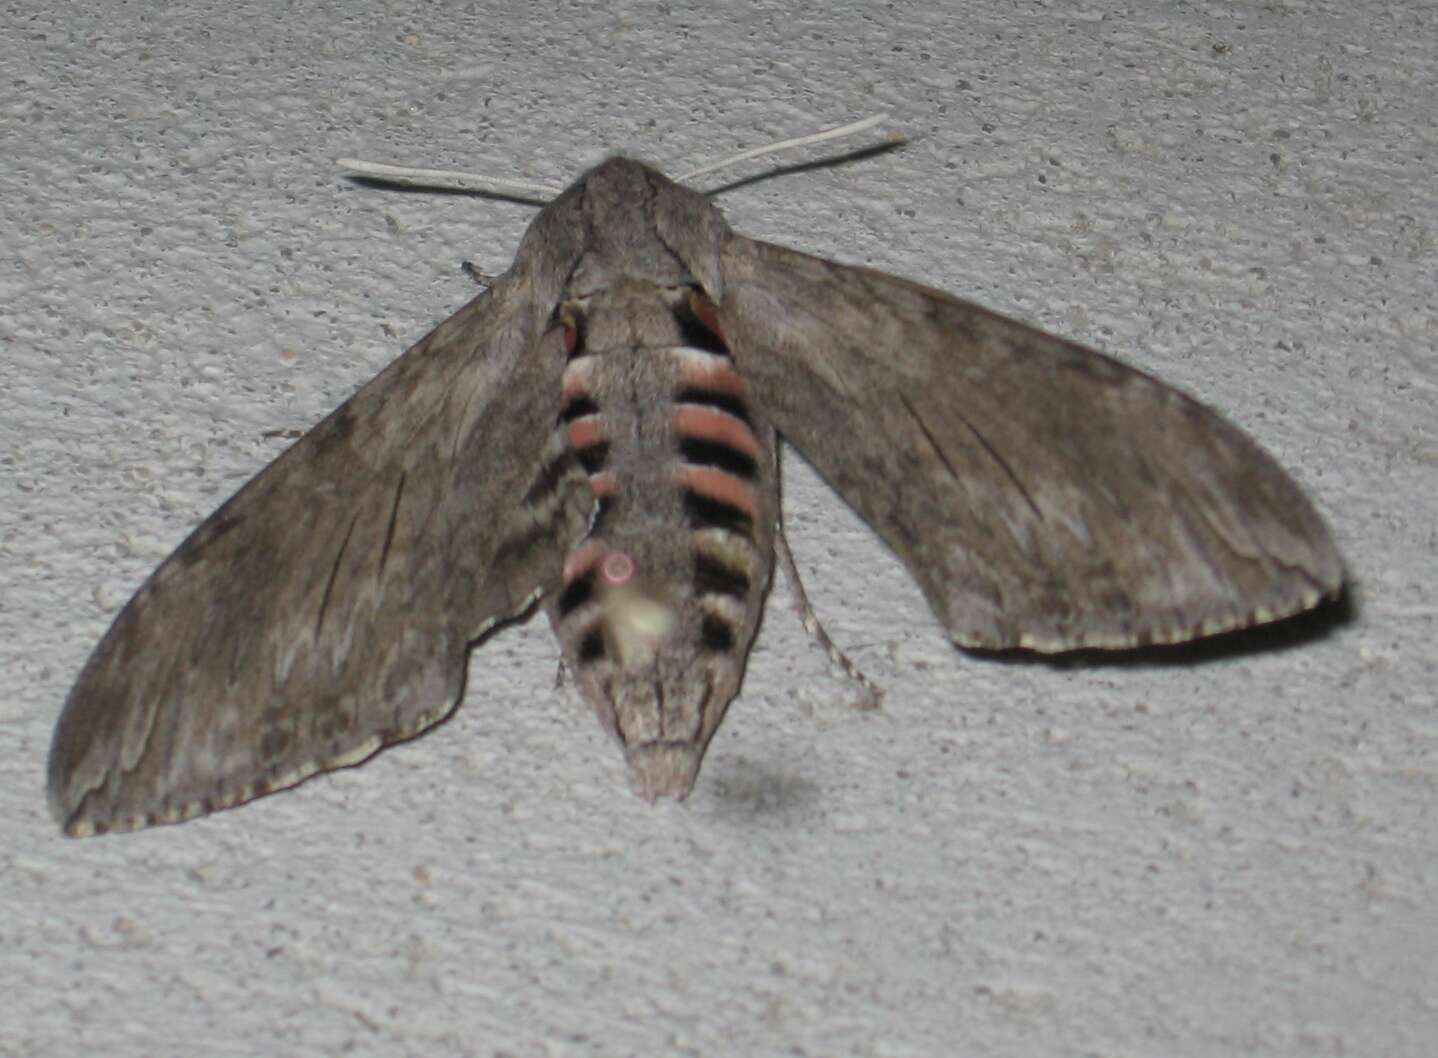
1043,495
327,608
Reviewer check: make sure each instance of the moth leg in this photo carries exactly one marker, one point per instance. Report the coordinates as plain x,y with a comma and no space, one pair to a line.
870,695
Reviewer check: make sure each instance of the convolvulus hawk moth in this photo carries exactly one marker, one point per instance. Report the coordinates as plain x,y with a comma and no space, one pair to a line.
598,430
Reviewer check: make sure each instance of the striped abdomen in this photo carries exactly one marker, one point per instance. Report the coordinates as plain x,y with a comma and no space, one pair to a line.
660,600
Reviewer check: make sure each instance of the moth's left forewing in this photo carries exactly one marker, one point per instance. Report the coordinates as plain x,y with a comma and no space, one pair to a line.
327,608
1043,495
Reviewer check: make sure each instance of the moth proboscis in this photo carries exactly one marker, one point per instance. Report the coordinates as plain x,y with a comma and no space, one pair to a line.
598,430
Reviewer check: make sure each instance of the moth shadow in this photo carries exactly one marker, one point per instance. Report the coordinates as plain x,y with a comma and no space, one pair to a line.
1291,633
747,789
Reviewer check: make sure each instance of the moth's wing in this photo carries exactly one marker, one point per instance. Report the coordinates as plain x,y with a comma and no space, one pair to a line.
1043,495
326,609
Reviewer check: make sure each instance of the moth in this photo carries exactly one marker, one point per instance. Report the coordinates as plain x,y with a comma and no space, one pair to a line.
597,432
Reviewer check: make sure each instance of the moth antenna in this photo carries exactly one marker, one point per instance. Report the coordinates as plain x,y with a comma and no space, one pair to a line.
448,179
455,180
799,141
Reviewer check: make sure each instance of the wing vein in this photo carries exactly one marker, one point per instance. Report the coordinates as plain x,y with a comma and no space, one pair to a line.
334,575
393,521
1003,463
928,436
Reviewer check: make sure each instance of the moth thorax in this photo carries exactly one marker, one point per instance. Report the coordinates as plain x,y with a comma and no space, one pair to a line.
638,616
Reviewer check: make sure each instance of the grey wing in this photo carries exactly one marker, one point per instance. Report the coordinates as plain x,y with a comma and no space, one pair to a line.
327,608
1043,495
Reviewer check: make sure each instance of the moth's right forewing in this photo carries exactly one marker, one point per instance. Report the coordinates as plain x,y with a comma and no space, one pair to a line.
326,609
1042,494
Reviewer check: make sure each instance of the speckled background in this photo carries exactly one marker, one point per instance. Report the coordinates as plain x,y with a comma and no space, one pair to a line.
1223,852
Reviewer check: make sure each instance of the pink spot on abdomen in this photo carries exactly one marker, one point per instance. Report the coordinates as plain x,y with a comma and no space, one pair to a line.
617,567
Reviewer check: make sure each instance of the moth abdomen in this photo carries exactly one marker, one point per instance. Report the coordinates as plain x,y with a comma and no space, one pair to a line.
716,634
727,402
659,601
713,575
576,593
577,407
591,646
718,455
593,457
707,511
